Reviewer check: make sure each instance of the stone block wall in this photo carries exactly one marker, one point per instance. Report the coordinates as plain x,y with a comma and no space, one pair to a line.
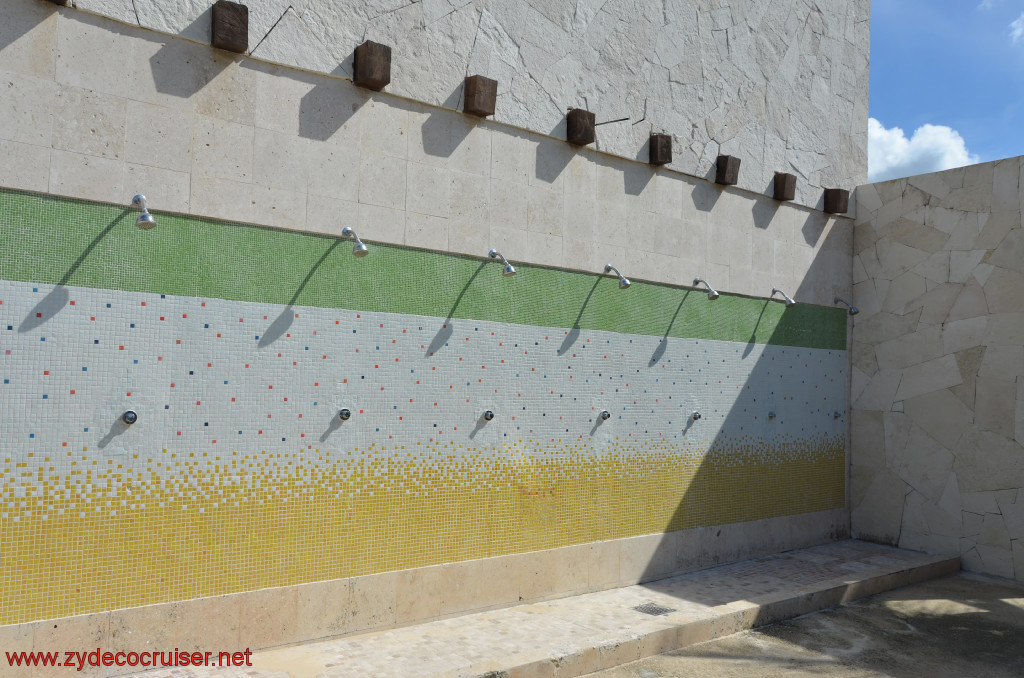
937,462
99,110
782,84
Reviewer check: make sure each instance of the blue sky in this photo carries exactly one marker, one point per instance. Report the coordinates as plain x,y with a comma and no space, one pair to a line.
949,74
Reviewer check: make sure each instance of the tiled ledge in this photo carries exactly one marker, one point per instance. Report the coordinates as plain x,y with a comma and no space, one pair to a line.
579,635
294,614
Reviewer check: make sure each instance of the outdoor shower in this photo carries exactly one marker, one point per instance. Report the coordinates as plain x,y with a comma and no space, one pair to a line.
623,280
853,309
360,250
509,268
789,299
712,294
145,220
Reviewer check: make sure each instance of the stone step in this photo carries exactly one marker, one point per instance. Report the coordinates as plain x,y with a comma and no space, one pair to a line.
582,634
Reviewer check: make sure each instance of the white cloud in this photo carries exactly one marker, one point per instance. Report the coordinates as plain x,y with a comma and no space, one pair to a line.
1017,29
932,148
985,4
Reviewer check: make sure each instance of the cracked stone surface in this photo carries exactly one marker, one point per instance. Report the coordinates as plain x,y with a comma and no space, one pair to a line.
937,430
782,84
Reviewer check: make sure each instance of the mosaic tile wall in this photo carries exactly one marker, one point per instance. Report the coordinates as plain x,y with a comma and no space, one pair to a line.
238,345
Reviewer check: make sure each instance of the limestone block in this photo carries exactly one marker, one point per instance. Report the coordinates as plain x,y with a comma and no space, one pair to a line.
331,216
911,349
867,438
935,267
1013,517
933,184
220,198
26,166
428,190
935,304
979,502
904,289
1004,291
332,170
878,515
864,357
428,231
987,461
27,110
867,297
280,160
962,334
916,235
941,414
1002,362
899,259
928,376
173,188
293,43
86,176
384,224
1018,430
971,303
880,393
1018,559
867,201
382,181
29,36
222,150
90,123
1005,185
995,228
883,327
1010,252
995,408
158,137
279,206
925,465
962,263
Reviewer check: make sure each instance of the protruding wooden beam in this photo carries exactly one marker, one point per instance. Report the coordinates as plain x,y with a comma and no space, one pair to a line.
230,28
785,186
579,129
727,170
480,95
371,66
661,149
837,201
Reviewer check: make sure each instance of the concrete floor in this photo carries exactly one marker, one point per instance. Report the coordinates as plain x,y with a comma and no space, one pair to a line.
962,626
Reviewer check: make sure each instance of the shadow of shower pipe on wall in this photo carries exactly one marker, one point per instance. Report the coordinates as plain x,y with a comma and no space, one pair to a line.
54,302
717,489
659,350
282,322
574,332
444,333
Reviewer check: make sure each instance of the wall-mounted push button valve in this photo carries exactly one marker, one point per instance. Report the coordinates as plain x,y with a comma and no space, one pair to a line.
344,414
488,415
696,416
129,417
771,415
836,414
605,415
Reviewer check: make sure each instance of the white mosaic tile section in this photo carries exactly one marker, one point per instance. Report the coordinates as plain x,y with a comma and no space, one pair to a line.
214,376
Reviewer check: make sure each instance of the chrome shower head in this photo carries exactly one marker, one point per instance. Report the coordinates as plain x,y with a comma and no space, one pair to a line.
623,280
146,220
789,299
510,270
853,309
712,293
360,250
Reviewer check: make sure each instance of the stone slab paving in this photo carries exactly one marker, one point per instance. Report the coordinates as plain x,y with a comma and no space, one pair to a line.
582,634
